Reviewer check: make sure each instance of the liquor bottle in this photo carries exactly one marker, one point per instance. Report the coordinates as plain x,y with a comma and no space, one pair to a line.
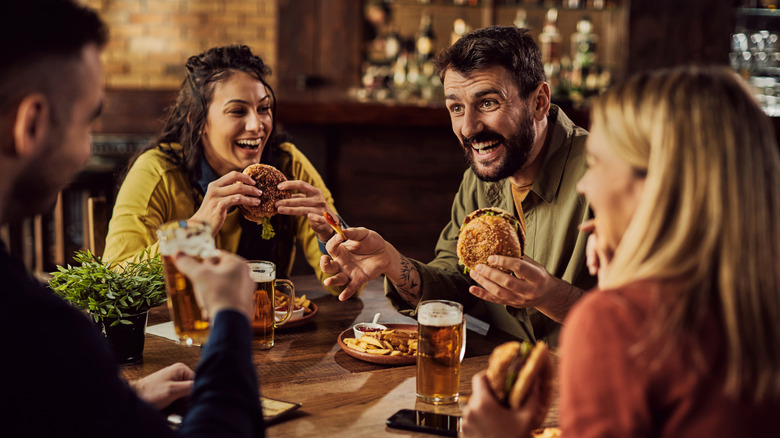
520,19
459,28
550,46
425,38
583,44
597,4
392,45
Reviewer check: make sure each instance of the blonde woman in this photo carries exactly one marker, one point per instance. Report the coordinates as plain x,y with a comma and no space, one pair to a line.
683,339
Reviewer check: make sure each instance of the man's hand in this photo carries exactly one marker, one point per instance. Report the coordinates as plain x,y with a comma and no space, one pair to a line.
164,387
220,282
484,416
356,261
531,286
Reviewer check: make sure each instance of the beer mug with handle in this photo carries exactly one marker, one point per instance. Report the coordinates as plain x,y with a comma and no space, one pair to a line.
193,239
441,344
264,323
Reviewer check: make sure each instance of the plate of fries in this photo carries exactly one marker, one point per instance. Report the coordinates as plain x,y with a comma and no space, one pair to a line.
309,309
395,346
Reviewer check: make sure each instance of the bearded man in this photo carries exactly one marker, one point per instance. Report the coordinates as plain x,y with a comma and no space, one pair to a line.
526,157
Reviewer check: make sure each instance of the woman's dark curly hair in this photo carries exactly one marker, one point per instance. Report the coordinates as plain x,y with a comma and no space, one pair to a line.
186,119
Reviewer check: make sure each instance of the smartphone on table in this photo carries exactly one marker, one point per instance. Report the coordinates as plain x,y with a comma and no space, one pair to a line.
428,422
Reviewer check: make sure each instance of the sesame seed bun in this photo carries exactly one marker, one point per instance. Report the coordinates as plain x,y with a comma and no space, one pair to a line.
267,178
486,232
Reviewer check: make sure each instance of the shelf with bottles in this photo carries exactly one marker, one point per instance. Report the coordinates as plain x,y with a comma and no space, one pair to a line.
582,43
755,51
402,36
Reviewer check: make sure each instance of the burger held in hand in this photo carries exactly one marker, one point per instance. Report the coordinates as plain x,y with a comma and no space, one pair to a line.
267,178
517,369
486,232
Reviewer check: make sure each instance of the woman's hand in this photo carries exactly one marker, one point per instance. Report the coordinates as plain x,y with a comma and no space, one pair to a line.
484,416
309,202
233,188
597,254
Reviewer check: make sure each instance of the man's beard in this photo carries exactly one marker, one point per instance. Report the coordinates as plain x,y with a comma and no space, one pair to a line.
517,149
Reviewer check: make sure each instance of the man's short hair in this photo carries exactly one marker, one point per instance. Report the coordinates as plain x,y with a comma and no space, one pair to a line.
42,39
505,46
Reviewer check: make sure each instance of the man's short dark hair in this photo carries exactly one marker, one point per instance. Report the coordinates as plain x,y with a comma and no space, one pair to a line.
505,46
41,39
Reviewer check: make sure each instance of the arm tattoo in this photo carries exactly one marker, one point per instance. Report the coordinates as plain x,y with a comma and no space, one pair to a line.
409,286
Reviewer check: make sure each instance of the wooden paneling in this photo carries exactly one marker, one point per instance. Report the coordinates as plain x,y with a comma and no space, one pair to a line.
665,33
134,111
319,44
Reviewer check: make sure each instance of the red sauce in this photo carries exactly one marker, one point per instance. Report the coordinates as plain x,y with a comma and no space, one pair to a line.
368,329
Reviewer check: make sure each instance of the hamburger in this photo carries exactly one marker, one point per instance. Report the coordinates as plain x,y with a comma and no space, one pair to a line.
267,178
486,232
513,370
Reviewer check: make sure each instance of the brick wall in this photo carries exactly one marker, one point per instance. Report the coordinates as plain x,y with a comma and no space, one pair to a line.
151,39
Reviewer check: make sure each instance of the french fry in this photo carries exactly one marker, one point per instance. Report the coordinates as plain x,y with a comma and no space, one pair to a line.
333,224
372,341
301,301
387,342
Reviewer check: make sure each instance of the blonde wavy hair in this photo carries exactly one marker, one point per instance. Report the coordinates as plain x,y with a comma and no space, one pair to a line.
709,217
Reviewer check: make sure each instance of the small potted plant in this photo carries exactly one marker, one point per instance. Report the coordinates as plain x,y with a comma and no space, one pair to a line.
118,297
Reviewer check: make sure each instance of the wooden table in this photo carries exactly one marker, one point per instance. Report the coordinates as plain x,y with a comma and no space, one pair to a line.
340,395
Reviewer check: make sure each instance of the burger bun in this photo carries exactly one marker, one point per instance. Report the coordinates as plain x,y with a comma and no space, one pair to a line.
486,232
513,361
267,178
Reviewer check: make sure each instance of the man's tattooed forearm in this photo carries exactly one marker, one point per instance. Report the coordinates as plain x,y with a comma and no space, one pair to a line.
409,287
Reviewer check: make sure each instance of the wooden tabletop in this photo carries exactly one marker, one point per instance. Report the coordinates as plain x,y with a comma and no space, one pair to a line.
340,395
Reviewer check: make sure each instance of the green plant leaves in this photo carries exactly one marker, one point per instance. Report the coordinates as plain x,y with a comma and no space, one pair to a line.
107,291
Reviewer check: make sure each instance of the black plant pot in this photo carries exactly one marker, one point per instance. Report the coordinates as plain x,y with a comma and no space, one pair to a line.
126,340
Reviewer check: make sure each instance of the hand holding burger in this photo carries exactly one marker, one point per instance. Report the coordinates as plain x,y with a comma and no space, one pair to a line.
486,232
512,396
513,370
267,178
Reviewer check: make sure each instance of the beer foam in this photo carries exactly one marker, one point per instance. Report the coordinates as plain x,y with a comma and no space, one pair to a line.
262,276
439,315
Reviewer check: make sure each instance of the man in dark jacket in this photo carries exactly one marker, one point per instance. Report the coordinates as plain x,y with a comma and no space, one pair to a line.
59,376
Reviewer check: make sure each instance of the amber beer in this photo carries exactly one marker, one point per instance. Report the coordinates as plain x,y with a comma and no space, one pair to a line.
441,339
195,240
263,324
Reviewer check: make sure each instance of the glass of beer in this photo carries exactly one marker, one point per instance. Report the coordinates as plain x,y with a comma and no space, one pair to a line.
264,323
189,322
441,343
